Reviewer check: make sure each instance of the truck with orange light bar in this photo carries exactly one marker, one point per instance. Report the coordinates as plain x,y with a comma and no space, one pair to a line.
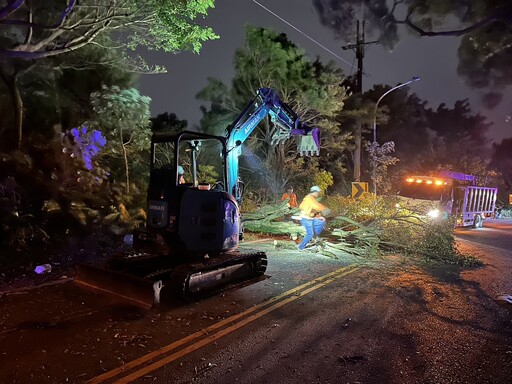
451,195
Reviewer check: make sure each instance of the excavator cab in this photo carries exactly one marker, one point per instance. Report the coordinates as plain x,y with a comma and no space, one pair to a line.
189,214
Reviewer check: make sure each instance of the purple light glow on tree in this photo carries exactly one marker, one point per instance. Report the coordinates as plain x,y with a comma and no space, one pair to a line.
87,144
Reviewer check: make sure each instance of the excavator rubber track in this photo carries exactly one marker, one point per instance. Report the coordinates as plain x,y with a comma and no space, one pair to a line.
133,278
195,280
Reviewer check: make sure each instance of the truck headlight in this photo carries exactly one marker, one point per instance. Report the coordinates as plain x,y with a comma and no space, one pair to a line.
433,213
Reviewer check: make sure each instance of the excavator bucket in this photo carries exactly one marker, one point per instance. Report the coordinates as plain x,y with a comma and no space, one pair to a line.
307,140
309,144
137,290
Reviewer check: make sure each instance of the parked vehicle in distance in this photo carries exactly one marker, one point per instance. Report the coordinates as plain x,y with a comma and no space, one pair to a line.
450,195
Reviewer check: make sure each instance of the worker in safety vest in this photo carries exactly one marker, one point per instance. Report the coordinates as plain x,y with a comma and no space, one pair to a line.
311,212
292,198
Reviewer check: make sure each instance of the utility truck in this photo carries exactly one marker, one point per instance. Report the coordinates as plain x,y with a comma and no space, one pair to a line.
449,195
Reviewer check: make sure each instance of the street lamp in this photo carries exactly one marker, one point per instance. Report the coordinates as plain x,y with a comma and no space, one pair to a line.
415,78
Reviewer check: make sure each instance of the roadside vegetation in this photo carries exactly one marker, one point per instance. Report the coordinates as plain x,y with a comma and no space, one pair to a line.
504,213
368,228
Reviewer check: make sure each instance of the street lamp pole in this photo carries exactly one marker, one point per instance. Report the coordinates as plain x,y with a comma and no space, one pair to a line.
415,78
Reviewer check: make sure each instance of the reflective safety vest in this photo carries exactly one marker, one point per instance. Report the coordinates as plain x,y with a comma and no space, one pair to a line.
292,197
310,207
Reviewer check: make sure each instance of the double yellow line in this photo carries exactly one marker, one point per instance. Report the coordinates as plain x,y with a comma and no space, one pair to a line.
161,357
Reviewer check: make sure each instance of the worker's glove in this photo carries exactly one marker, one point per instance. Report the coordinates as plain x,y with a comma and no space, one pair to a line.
326,212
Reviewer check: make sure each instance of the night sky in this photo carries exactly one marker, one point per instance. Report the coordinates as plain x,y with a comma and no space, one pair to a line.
434,59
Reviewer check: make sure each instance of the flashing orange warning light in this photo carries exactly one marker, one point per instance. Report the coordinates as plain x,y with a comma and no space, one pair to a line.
427,180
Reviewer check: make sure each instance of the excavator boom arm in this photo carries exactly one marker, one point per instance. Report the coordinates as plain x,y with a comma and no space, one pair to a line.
267,102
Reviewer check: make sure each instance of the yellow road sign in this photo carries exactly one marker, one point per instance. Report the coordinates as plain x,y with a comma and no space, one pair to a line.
358,188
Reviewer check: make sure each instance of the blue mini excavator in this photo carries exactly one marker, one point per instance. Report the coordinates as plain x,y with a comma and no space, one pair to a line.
189,244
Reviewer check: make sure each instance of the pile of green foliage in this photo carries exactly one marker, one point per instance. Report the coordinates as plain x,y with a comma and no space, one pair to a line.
505,214
389,228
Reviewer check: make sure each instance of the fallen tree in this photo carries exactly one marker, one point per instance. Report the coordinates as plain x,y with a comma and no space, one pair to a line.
273,219
366,228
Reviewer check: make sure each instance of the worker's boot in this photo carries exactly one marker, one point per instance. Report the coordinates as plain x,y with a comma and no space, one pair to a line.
319,244
317,241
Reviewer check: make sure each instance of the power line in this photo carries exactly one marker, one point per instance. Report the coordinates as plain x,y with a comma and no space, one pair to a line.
304,34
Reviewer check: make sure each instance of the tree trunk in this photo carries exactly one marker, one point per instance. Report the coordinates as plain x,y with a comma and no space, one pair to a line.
18,110
17,103
125,158
12,83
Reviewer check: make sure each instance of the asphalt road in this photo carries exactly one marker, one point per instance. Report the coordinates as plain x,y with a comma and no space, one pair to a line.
311,319
497,233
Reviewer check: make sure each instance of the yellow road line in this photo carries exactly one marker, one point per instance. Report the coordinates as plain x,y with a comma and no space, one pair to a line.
210,338
207,332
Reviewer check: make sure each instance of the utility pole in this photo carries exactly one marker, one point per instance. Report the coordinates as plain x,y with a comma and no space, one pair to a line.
358,48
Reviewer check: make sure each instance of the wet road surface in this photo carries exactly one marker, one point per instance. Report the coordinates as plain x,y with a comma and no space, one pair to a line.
310,319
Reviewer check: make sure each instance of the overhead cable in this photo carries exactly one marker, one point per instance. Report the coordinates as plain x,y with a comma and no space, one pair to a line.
304,34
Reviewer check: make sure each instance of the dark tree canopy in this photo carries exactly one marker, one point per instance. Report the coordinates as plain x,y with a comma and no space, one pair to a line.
502,160
429,139
485,28
168,122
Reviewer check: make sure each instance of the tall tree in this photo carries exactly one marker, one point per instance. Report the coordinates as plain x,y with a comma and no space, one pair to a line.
401,119
460,142
123,117
34,30
502,160
429,139
485,52
313,91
